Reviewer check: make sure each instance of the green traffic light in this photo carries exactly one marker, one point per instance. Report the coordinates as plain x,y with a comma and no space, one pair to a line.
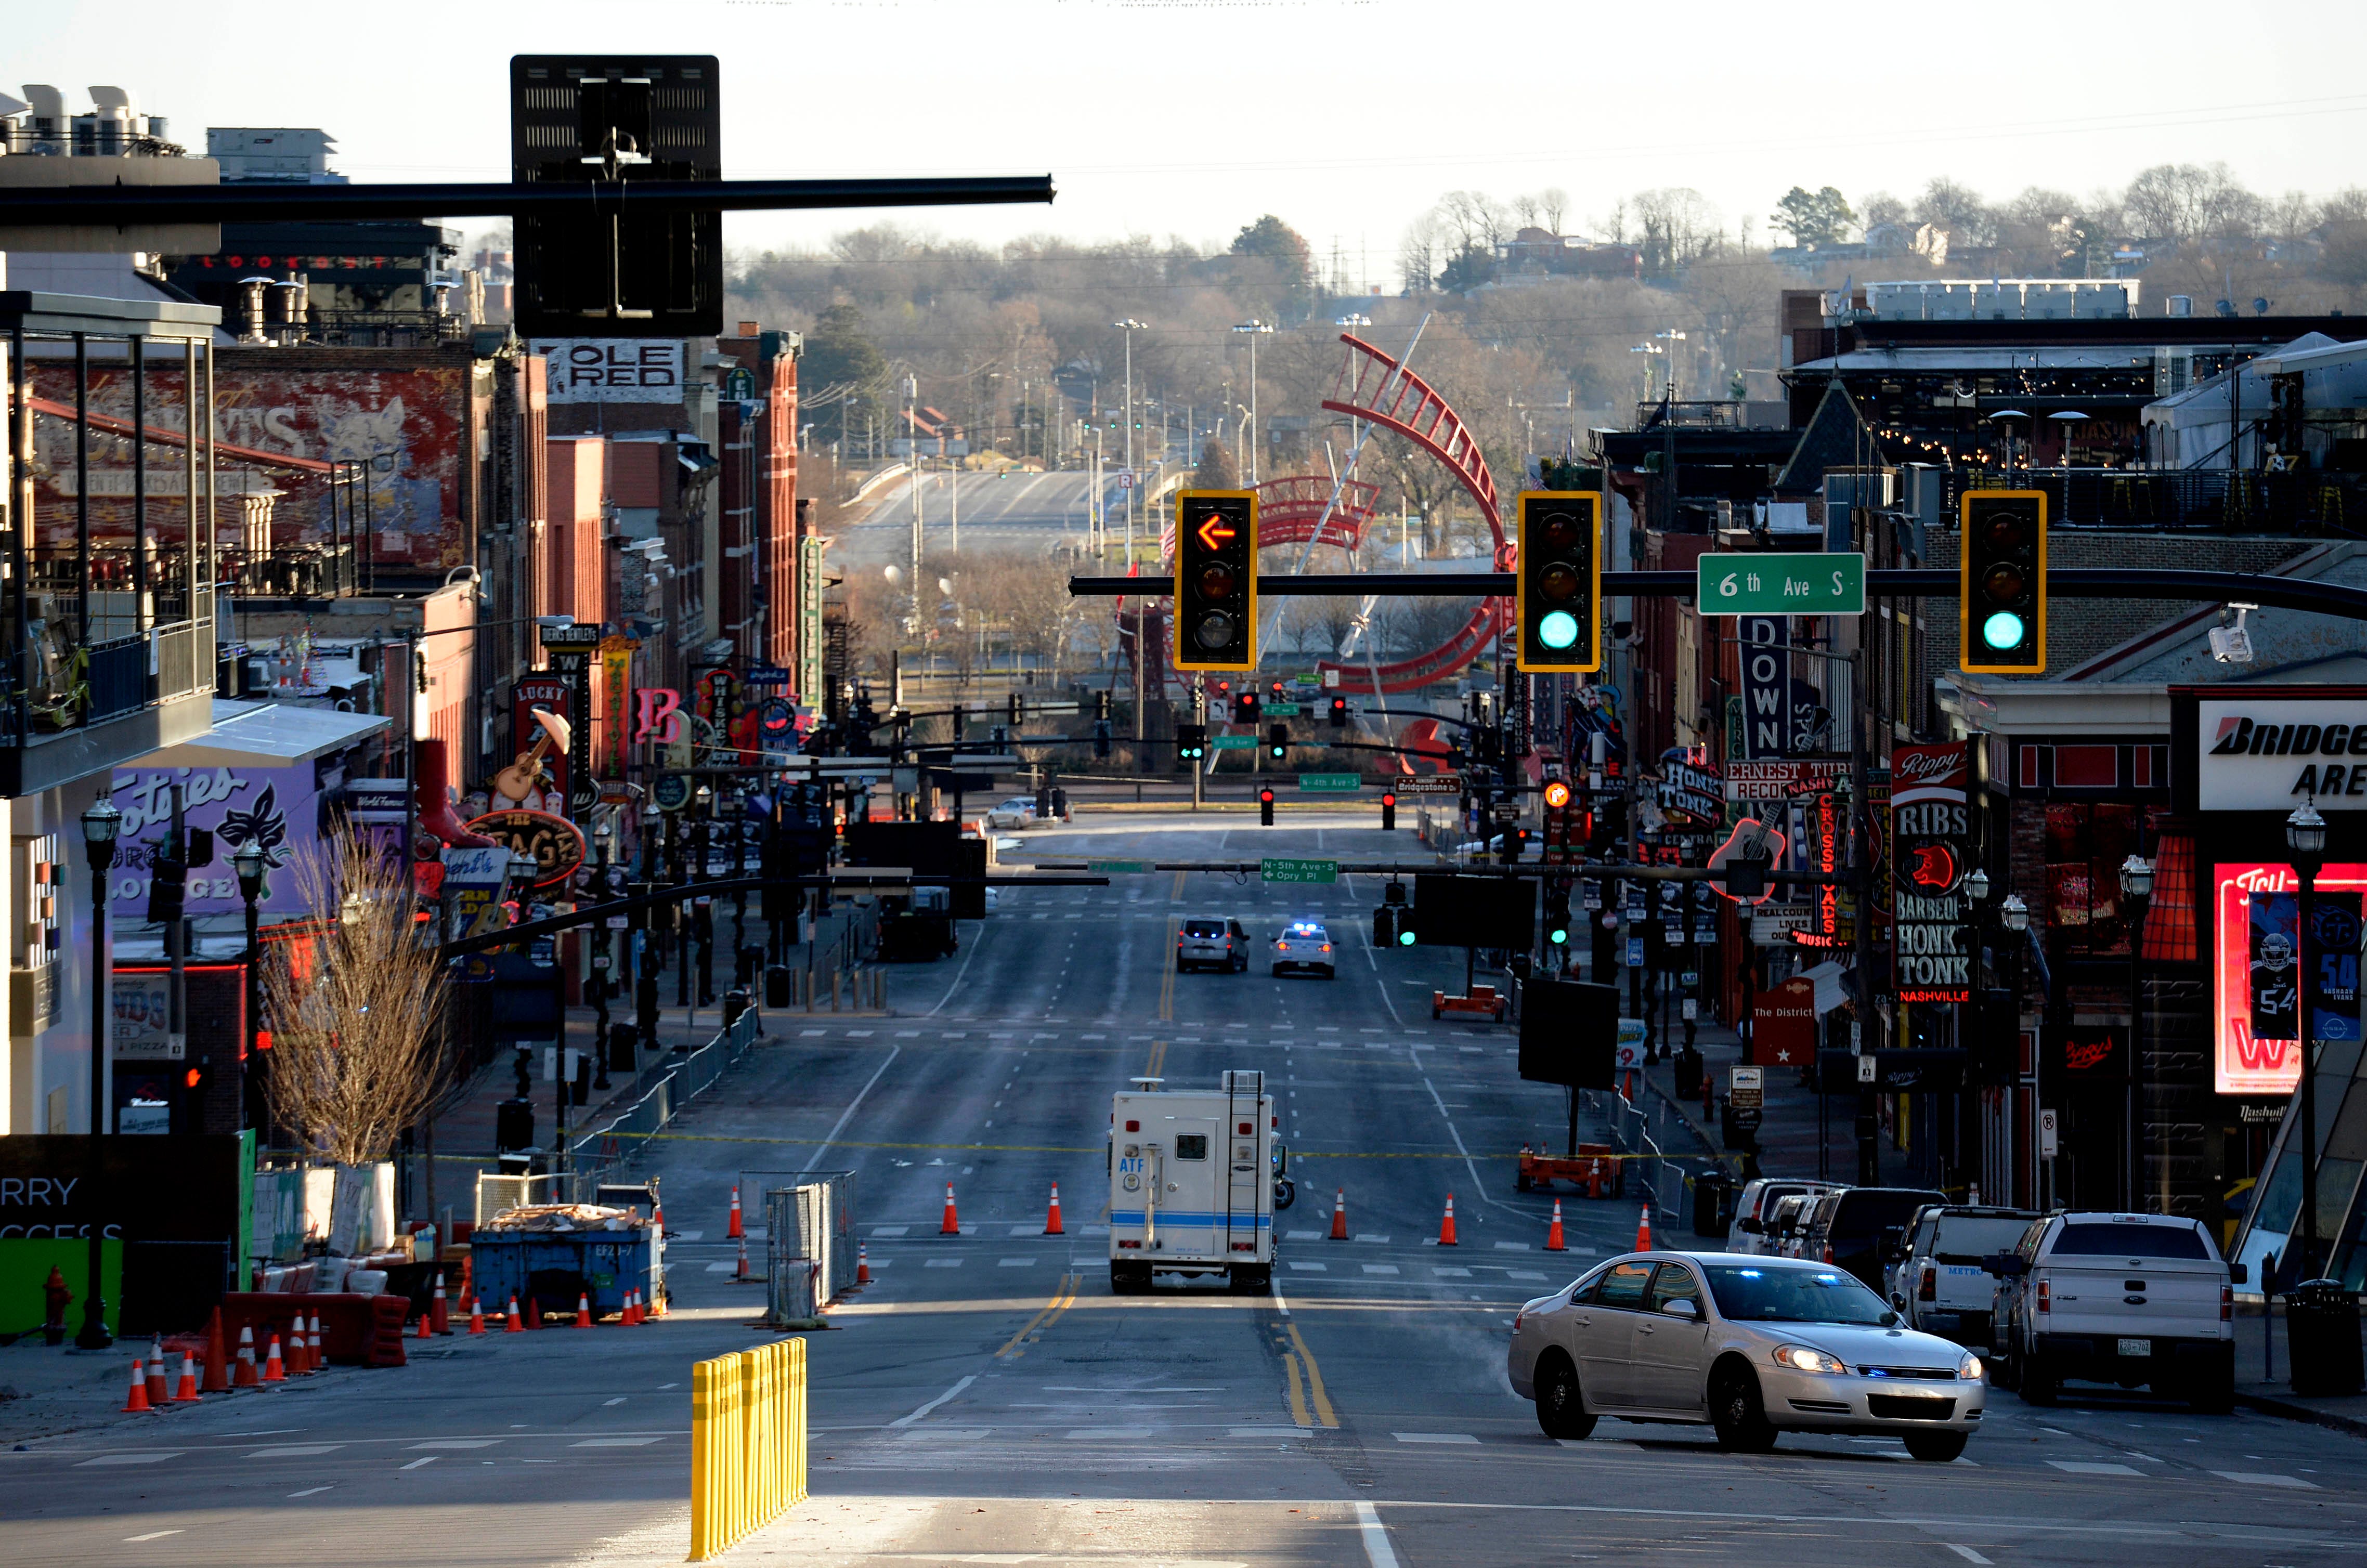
1559,629
1558,937
1405,939
2002,630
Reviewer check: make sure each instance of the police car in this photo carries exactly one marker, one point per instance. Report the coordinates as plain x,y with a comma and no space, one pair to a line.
1305,946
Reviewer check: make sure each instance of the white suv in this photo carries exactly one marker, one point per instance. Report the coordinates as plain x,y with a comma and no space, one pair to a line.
1754,1207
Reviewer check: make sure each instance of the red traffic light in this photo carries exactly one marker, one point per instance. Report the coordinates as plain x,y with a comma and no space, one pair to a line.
194,1077
1389,797
1266,796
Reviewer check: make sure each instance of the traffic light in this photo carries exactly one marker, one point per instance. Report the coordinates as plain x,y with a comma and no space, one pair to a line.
1216,580
1266,808
1019,710
600,124
168,881
1557,913
2003,581
1101,738
1384,926
1101,705
1245,706
1388,811
1277,741
1191,742
1339,713
1558,596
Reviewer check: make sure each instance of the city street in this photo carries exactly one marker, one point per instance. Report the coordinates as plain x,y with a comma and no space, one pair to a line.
987,1398
1013,510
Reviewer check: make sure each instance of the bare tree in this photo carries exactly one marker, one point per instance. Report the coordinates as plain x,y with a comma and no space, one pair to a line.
357,1011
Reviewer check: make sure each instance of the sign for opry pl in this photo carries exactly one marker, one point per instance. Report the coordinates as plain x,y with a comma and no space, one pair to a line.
1930,957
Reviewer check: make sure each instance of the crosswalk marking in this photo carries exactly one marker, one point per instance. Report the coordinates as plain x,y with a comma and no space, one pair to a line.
1433,1436
2264,1478
149,1457
1311,1267
2091,1467
1380,1268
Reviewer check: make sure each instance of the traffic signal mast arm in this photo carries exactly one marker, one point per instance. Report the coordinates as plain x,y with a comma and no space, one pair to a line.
1891,583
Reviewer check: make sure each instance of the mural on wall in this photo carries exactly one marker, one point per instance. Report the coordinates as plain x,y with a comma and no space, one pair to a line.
278,809
408,426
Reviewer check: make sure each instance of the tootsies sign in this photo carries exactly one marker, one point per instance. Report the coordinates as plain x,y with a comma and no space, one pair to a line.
2256,754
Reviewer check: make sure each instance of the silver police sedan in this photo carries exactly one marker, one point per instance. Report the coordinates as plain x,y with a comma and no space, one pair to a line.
1750,1345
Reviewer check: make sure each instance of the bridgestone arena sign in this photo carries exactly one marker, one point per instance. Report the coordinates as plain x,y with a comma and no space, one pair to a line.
2272,753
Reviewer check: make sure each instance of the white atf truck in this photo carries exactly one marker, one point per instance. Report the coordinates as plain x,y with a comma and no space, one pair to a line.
1191,1180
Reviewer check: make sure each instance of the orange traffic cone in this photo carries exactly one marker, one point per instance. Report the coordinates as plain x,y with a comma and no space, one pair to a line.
187,1393
1644,1230
657,1218
1553,1232
245,1377
439,1310
274,1370
138,1403
733,1229
742,1274
426,1324
1447,1226
159,1388
294,1364
314,1356
862,1264
1339,1213
217,1363
583,1310
513,1326
952,1225
633,1309
476,1316
1052,1225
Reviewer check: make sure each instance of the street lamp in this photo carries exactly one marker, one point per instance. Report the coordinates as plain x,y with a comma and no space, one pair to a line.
1129,327
1255,329
100,825
2136,887
1671,337
248,863
2306,841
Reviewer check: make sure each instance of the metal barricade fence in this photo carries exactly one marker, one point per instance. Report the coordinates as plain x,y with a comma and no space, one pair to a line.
670,1085
809,1244
1665,1177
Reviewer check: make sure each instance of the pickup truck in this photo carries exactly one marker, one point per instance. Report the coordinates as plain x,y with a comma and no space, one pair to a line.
1936,1277
2141,1301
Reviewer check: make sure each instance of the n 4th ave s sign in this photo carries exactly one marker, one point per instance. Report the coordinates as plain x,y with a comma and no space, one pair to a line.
1830,583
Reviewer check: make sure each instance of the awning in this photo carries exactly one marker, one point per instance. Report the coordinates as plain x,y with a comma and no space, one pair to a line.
1827,976
266,734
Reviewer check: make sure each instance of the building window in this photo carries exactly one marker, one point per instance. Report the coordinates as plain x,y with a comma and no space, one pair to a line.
2087,767
2170,933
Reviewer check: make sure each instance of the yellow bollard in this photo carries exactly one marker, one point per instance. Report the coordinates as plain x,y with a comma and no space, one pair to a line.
747,1444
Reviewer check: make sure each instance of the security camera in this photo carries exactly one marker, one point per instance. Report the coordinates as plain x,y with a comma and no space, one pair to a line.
2233,645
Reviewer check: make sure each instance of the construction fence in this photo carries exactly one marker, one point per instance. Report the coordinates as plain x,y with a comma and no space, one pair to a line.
668,1085
810,1245
747,1443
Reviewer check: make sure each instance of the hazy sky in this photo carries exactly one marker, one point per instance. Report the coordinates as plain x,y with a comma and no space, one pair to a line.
1345,116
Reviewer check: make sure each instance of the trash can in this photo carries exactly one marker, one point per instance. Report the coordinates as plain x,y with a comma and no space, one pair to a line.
513,1125
1713,1204
735,1002
2322,1338
1688,1073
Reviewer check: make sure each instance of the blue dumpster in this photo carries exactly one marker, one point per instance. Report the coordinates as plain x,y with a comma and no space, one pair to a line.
554,1267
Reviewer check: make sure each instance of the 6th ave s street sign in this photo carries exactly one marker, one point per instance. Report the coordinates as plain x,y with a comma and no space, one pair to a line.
1752,583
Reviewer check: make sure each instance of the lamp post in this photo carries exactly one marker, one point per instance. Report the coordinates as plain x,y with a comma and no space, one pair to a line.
702,913
645,950
249,865
99,825
2306,841
596,965
1256,330
2136,887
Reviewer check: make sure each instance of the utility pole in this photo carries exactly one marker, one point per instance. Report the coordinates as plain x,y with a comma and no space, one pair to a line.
1126,419
913,448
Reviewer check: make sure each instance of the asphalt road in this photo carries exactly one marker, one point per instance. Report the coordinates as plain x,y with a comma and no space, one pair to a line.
1013,512
988,1399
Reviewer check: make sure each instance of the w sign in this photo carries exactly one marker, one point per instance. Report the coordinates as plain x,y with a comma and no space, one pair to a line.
1765,648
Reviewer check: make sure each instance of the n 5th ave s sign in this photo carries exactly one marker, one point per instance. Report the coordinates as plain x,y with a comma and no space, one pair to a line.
1822,584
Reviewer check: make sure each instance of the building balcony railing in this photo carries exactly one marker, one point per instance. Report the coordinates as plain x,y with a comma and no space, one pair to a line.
2306,501
330,570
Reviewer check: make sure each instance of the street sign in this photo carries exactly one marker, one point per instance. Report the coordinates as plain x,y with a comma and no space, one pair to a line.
1827,583
1233,742
1746,1087
1333,783
2046,1134
1273,709
1431,784
1299,870
1118,867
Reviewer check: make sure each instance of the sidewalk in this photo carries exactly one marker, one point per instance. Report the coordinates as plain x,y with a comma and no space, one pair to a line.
2264,1378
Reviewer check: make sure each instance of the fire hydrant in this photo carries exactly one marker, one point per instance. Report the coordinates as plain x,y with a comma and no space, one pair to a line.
54,1292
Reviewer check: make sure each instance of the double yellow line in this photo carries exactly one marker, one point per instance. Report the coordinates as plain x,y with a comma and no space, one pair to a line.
1156,1060
1306,1379
1064,1296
